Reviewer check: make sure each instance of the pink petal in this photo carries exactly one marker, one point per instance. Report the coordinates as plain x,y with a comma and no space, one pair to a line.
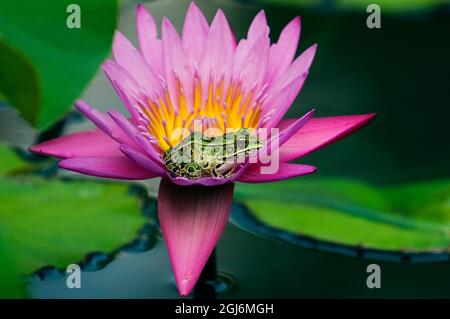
148,43
258,27
219,50
132,132
284,91
125,86
142,160
104,123
128,57
254,65
195,32
277,105
285,171
176,64
319,132
287,132
93,143
98,118
192,221
119,167
298,69
252,54
282,53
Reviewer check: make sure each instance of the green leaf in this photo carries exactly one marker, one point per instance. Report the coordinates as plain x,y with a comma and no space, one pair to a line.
423,201
412,217
10,162
55,222
19,82
11,285
63,59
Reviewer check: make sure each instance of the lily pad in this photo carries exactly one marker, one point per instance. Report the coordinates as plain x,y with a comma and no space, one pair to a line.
55,222
10,162
61,59
11,285
408,217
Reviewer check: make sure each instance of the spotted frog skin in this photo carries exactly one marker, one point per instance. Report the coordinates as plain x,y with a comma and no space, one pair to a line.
202,156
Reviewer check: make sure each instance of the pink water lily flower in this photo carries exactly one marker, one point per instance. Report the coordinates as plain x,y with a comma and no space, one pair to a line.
205,75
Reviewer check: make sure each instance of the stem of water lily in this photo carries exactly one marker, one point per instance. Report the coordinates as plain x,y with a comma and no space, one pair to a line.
205,287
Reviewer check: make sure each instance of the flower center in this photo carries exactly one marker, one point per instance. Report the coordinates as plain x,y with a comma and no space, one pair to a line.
219,106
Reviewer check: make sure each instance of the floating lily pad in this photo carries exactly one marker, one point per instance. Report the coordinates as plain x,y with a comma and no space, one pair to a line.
10,162
11,285
55,222
423,201
53,61
411,217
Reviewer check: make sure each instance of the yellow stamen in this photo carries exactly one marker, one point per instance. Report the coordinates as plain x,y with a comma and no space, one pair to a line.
225,107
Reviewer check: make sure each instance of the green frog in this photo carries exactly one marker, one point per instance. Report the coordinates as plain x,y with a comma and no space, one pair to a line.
198,155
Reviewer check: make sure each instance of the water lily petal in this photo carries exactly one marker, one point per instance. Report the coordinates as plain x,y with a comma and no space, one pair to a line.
142,160
125,86
254,65
132,132
300,67
319,132
258,27
80,144
104,123
219,50
252,54
149,44
277,106
98,118
192,221
178,73
282,53
254,174
288,131
128,57
195,32
118,167
285,90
